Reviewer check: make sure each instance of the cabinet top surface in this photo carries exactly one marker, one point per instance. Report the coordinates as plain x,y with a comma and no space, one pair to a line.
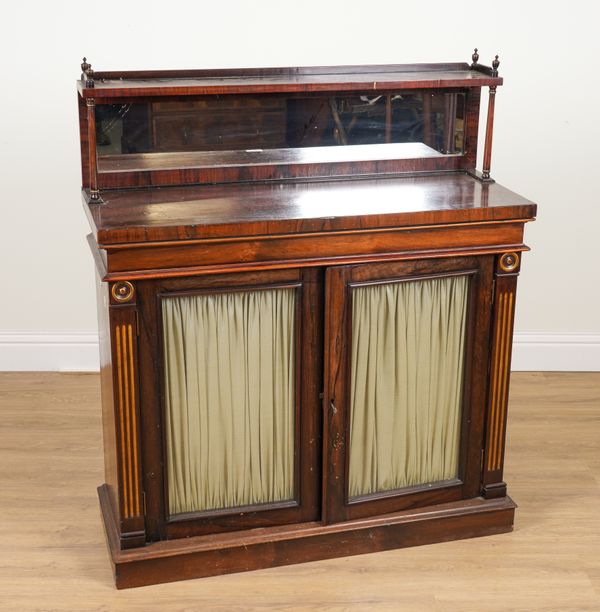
217,211
266,80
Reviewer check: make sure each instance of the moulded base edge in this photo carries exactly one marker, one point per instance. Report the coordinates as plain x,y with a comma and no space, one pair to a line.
259,548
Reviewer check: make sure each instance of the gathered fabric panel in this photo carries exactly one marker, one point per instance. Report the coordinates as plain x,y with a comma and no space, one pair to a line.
229,398
407,359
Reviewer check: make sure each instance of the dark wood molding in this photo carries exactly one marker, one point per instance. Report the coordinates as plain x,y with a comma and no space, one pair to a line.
311,249
197,557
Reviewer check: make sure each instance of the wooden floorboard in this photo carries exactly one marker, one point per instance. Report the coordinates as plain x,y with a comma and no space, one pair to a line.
53,555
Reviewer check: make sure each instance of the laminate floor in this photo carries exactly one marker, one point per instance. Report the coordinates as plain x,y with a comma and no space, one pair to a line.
53,555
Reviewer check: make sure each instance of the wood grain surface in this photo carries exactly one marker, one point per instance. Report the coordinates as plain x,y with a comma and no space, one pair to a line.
209,211
265,80
173,160
54,555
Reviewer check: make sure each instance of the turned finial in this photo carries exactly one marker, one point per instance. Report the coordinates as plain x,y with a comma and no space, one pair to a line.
495,65
87,74
475,58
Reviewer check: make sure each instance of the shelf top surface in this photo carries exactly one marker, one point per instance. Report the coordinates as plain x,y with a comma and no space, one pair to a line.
253,209
274,80
140,162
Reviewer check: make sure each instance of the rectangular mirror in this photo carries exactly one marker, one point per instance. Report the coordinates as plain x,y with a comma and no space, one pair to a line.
228,129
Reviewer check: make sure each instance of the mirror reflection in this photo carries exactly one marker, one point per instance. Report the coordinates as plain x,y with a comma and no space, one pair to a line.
249,122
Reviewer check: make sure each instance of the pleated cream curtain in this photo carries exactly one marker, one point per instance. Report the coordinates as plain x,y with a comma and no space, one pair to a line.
229,381
407,369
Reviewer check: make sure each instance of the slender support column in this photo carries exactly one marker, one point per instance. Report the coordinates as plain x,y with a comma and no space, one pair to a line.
489,134
489,128
91,128
507,270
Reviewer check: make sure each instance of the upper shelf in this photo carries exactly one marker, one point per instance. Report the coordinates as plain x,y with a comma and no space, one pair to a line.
200,127
269,80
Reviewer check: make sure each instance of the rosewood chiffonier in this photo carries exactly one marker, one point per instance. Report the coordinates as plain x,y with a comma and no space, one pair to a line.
305,294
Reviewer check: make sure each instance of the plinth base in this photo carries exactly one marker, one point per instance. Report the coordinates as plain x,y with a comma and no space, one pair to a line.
259,548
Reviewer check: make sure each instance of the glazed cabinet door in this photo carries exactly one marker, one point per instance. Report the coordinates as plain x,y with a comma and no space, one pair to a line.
406,353
230,379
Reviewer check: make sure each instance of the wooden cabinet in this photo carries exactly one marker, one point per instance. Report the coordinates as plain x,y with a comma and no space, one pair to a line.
305,344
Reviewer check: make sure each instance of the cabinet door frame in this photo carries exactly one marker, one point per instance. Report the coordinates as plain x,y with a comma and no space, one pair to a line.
307,453
336,401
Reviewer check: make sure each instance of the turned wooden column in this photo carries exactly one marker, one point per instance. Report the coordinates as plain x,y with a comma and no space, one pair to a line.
93,167
87,76
489,128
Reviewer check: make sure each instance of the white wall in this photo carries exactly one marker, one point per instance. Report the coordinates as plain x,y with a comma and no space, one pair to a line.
546,139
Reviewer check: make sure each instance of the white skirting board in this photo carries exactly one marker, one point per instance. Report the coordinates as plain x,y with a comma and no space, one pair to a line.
78,351
49,351
556,352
